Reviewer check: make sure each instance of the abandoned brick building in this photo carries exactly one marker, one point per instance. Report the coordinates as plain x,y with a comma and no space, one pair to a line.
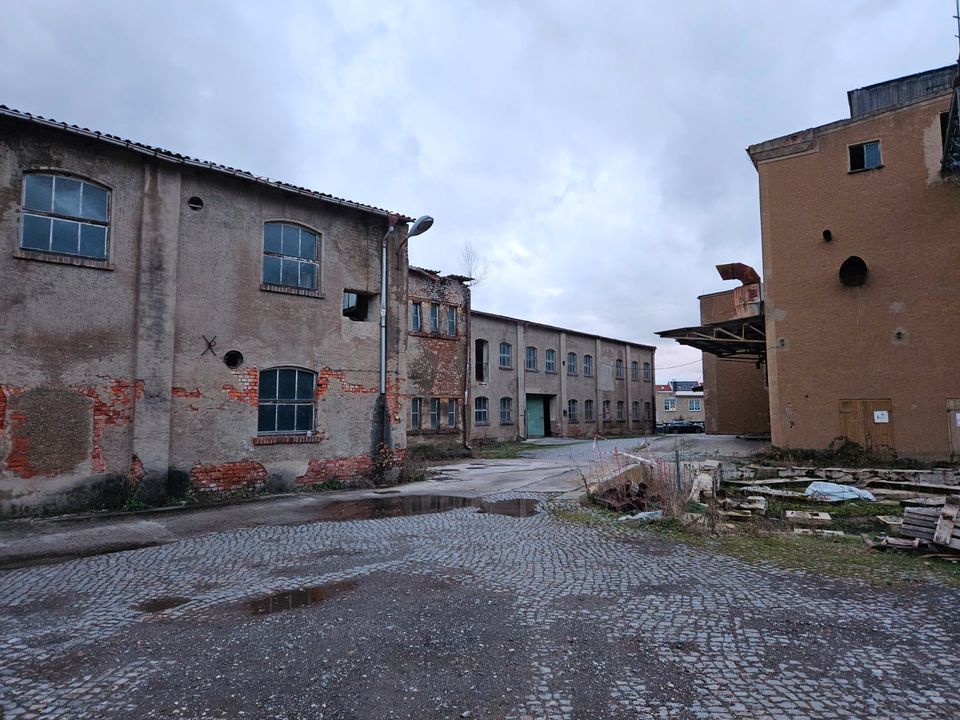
853,320
437,361
169,322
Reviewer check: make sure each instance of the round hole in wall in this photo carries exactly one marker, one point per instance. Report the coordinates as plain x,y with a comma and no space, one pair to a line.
232,359
853,271
195,203
827,235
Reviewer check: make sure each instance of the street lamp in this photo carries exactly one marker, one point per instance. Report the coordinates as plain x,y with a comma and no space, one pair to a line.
420,226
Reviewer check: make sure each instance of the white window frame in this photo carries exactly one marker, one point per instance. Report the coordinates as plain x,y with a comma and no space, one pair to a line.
416,317
506,411
61,218
669,404
508,355
481,411
550,361
691,402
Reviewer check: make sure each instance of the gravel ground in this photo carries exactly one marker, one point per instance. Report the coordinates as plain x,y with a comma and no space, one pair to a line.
464,614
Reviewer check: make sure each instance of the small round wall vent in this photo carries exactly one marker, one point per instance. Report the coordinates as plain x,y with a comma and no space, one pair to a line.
853,271
232,359
195,203
827,235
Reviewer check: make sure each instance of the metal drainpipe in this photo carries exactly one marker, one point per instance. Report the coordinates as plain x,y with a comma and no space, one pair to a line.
384,413
466,374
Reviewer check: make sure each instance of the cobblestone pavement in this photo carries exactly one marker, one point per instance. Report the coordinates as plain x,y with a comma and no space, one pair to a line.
464,614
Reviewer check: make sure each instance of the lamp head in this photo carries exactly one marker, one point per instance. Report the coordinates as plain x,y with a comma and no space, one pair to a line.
420,226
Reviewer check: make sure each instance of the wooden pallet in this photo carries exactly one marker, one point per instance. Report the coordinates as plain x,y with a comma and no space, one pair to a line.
937,525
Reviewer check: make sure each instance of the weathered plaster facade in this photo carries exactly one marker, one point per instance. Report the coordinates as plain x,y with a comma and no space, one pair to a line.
106,379
620,379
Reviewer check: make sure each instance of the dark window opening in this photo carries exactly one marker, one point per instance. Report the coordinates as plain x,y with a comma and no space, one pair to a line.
865,156
356,305
853,271
944,122
481,361
65,216
233,359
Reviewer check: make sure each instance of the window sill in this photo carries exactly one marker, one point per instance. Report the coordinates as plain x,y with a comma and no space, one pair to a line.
505,367
286,439
531,370
287,290
506,423
549,372
862,170
477,422
433,431
572,375
74,260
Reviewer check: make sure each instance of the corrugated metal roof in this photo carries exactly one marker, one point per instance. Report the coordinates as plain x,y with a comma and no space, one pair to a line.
173,157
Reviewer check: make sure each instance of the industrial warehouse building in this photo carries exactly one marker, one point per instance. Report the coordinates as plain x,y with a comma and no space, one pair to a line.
853,321
170,325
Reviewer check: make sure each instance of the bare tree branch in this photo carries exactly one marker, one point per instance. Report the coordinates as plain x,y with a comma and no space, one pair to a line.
473,265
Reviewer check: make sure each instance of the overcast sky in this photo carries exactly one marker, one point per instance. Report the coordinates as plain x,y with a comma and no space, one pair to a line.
592,151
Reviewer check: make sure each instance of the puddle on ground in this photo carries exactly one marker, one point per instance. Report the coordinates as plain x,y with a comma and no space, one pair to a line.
300,597
161,603
406,505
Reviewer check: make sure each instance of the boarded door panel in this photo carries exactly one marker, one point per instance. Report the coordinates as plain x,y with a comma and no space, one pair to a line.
953,427
534,416
867,422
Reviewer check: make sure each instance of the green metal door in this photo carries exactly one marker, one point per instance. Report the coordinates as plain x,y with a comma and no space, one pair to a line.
534,416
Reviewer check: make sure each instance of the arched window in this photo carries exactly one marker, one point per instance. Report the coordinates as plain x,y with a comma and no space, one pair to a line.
480,411
571,363
634,370
646,371
619,368
506,355
588,365
290,256
65,216
531,358
506,411
572,410
588,410
286,401
620,408
481,360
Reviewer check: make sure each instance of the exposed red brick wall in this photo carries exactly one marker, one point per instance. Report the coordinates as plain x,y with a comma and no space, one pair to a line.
349,468
116,411
184,393
247,388
18,460
228,477
5,392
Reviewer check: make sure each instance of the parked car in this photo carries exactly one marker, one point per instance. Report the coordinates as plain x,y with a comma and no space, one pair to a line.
680,426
